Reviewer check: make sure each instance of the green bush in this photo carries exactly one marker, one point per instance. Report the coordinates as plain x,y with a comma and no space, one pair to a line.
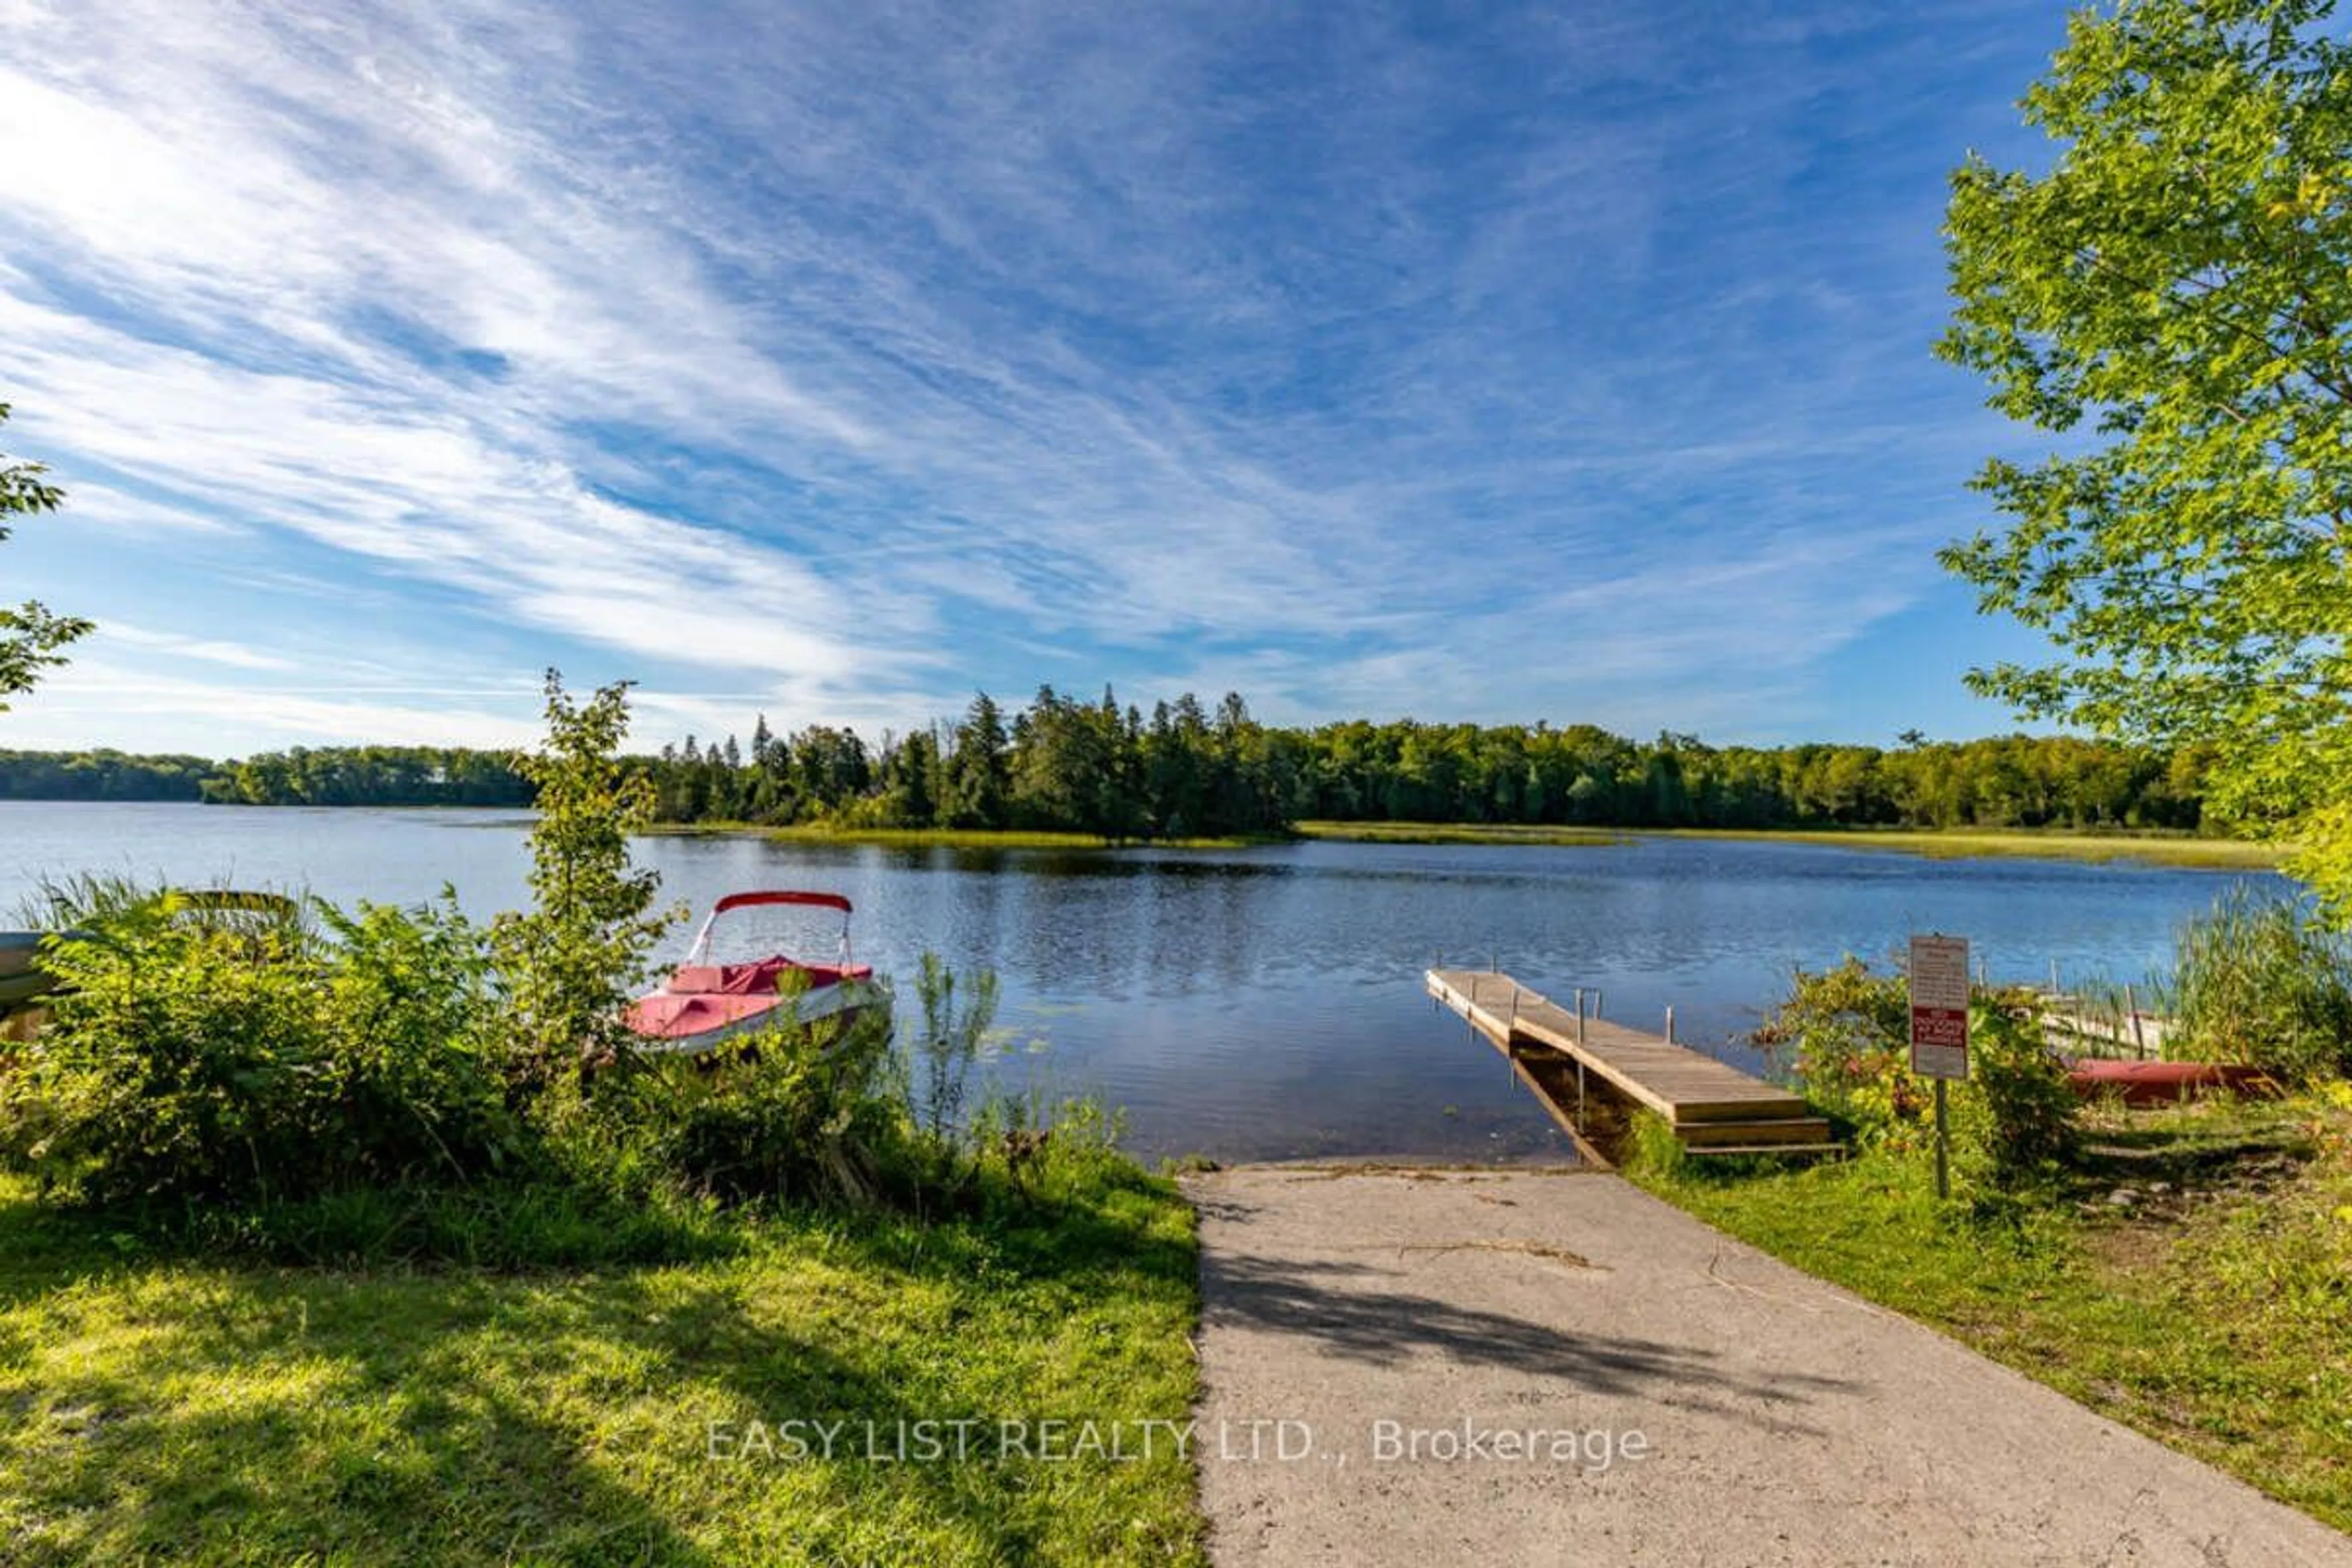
403,1082
190,1061
793,1113
569,966
946,1041
2022,1124
2256,980
1845,1033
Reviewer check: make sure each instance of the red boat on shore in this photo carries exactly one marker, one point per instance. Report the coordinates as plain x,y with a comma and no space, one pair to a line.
706,1003
2164,1083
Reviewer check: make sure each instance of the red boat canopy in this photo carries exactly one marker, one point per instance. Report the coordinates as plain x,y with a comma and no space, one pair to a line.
822,900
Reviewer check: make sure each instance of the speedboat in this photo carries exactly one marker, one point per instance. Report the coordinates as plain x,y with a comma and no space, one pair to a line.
707,1002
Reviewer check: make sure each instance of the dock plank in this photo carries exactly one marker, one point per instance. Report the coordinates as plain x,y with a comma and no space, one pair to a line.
1687,1088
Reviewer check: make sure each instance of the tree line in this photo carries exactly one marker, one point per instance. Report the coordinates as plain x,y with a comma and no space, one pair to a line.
101,774
1186,770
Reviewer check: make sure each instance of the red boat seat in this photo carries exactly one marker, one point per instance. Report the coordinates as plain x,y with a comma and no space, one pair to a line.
762,977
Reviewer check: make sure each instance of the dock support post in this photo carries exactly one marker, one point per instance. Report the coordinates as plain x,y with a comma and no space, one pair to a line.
1670,1023
1580,1014
2131,1009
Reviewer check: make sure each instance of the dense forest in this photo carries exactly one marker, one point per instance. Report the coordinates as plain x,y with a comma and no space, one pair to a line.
1186,771
370,775
100,775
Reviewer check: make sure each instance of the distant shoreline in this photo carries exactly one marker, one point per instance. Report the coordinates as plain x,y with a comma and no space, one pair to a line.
1938,843
2159,848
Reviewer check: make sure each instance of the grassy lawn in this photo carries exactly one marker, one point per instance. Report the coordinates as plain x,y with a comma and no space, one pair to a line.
2212,1313
1959,843
191,1409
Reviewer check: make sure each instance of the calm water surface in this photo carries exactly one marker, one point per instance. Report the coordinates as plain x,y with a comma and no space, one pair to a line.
1251,1004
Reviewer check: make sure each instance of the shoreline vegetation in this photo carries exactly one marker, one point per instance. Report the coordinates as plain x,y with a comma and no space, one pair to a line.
2183,1276
2181,1270
2155,847
943,838
390,1190
1071,768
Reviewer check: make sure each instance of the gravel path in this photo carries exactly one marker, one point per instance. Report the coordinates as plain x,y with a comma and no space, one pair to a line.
1520,1367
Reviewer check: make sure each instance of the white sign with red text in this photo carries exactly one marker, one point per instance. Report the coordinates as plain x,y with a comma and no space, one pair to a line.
1939,1006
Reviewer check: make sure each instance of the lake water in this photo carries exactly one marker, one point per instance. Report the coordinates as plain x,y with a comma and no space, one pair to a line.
1259,1003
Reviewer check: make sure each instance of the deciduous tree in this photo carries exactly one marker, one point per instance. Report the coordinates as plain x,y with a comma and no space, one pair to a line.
30,634
2172,299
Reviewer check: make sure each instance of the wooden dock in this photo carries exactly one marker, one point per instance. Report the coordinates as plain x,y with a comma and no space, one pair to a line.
1712,1106
2079,1029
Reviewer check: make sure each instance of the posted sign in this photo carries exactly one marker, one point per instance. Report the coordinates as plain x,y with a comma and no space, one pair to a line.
1939,1006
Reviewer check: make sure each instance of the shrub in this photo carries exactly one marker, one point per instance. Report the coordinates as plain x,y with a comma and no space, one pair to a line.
2256,980
2028,1129
187,1060
791,1113
1846,1032
421,1069
570,965
404,1080
947,1041
1651,1147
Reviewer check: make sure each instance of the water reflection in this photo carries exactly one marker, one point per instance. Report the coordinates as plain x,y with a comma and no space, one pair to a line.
1259,1002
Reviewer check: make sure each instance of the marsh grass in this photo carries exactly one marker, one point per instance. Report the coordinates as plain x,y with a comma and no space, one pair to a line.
2168,850
2256,980
1457,833
939,837
1954,843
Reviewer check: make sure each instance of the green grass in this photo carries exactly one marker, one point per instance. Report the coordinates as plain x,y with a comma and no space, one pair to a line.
227,1411
1455,832
1961,843
2214,1319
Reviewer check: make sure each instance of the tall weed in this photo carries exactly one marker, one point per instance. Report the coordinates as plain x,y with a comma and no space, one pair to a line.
2257,980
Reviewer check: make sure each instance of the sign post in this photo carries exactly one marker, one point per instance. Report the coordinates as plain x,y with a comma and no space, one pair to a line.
1939,1027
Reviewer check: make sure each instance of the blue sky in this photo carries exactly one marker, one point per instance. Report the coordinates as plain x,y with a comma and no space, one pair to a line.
1483,362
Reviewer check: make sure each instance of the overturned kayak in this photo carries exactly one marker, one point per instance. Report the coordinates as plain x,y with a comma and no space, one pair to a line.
2166,1083
707,1003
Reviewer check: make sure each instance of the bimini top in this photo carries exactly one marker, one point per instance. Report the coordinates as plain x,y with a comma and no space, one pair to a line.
822,900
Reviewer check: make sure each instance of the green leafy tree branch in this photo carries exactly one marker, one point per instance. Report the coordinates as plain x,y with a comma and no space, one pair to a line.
2173,298
30,634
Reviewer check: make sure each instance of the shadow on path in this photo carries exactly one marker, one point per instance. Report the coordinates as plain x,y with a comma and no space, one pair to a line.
1345,1311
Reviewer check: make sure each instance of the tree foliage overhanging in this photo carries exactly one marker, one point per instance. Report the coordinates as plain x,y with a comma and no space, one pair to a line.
2172,299
1187,771
30,633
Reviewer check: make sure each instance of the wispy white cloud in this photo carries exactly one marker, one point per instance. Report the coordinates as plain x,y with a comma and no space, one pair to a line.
849,356
205,650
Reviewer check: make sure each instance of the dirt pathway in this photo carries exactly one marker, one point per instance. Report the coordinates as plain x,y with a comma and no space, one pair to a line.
1506,1368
